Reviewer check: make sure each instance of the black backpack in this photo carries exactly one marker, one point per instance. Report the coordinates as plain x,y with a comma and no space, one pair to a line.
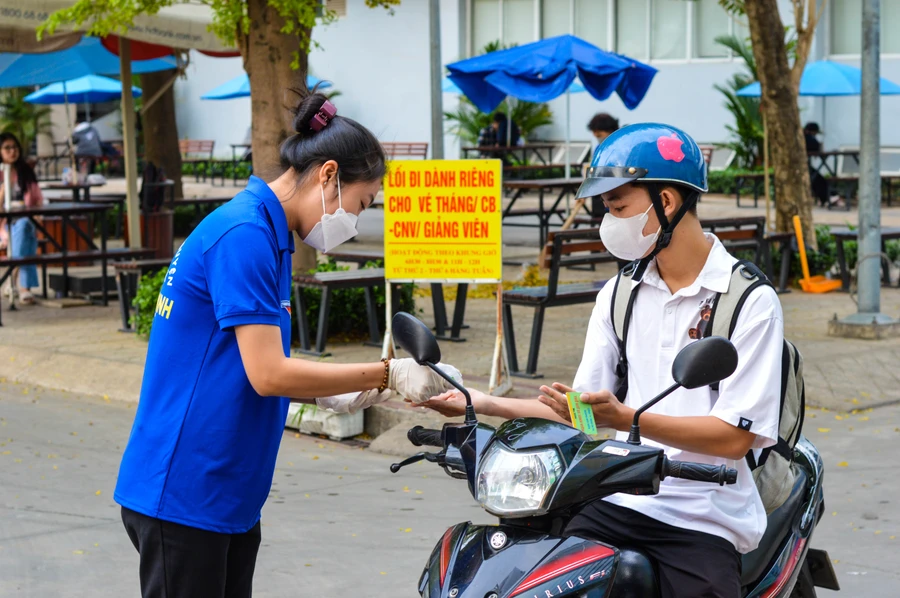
773,471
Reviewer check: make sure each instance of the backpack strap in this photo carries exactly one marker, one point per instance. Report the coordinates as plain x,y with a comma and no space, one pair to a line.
621,307
746,277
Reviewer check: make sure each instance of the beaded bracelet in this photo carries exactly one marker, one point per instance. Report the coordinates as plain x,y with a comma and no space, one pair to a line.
387,373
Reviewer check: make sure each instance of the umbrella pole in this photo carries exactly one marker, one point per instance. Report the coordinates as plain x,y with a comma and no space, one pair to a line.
568,135
69,136
766,173
129,140
508,122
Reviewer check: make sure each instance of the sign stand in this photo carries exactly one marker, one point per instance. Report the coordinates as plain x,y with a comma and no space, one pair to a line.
500,381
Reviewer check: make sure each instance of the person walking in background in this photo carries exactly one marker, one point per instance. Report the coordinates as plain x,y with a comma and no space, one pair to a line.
88,146
25,191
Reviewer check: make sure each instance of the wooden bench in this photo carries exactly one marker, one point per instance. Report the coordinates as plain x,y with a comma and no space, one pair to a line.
198,152
403,149
757,180
360,257
329,282
59,259
570,248
128,274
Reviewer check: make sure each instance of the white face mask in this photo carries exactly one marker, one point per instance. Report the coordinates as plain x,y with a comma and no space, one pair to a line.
624,237
332,229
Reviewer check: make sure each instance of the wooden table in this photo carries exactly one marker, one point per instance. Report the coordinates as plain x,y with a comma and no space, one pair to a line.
76,189
66,211
842,235
117,201
564,186
517,151
823,157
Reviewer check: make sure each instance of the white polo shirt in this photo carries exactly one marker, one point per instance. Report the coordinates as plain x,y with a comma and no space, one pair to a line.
660,327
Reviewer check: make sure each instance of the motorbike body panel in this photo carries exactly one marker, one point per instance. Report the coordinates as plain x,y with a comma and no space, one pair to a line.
475,561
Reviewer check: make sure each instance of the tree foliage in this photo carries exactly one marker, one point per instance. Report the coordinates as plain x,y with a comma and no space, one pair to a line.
23,119
230,17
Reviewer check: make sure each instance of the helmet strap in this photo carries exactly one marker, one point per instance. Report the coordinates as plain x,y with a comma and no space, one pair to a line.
668,228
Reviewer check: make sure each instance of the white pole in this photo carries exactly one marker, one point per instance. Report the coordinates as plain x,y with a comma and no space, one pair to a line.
7,190
508,122
568,132
7,204
387,346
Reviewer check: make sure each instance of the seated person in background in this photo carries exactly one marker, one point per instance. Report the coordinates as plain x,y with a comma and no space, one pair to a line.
501,129
25,190
602,125
88,146
817,181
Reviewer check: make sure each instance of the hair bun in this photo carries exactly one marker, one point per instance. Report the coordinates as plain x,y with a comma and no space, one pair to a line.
311,101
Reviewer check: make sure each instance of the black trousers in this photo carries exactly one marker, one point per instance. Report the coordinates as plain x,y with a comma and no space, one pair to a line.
178,561
689,564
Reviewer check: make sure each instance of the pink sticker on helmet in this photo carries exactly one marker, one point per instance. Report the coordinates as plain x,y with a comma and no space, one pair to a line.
670,148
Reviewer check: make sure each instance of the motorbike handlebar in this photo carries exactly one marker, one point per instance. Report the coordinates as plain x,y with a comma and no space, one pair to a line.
715,474
420,436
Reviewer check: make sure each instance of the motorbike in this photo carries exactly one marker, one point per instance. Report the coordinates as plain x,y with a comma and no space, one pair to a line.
535,474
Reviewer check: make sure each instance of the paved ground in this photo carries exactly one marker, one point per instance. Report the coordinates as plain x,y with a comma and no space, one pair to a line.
337,520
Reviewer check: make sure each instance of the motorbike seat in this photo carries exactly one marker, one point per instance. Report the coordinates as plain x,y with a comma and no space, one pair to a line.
754,564
635,576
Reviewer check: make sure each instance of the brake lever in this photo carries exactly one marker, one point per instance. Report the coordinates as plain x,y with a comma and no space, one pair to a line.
430,457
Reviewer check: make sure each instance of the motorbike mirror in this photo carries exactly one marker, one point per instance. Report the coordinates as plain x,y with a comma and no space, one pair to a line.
415,338
705,362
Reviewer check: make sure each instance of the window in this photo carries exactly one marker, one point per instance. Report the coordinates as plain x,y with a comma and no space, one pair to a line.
846,26
485,24
631,28
668,38
592,22
555,18
710,21
518,22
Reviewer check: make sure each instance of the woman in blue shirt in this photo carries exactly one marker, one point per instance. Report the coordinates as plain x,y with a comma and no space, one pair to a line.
218,378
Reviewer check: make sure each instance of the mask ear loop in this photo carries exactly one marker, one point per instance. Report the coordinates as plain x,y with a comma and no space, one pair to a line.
322,189
340,201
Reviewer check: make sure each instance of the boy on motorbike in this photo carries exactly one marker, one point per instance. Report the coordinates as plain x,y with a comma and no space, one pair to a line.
650,177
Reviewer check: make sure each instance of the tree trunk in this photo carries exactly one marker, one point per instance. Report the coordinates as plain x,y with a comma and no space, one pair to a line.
793,195
160,129
267,55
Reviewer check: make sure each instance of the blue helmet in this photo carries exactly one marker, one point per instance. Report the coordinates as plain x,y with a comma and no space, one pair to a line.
646,153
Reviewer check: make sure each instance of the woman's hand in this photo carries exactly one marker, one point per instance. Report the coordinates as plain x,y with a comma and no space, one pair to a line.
453,404
609,412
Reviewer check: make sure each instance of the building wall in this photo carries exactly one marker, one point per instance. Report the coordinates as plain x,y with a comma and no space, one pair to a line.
380,63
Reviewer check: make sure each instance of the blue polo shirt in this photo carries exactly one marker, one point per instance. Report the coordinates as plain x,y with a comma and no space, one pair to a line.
203,446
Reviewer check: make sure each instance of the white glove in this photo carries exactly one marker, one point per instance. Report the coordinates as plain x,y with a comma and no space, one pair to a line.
353,401
418,383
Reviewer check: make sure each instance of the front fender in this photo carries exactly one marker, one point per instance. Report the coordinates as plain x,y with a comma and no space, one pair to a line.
474,561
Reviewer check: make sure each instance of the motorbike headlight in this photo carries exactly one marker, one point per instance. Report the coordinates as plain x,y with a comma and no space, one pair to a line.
516,483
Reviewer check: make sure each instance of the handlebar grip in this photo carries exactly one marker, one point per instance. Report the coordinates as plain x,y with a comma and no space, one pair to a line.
420,436
714,474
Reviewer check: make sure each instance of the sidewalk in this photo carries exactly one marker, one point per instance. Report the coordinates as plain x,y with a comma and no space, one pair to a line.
80,350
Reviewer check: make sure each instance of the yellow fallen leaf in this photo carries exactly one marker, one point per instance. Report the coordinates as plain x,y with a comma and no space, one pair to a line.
315,457
96,545
383,573
55,467
290,464
296,435
308,565
407,530
836,561
877,532
406,488
98,492
347,468
833,513
864,394
843,464
77,552
891,537
320,445
340,477
824,430
418,492
855,401
74,433
354,535
7,452
18,460
306,495
864,418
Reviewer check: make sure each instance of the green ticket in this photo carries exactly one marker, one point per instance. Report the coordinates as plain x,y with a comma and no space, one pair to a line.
581,413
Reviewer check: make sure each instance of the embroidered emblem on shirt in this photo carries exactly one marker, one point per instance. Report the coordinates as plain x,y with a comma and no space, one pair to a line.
286,305
705,313
745,424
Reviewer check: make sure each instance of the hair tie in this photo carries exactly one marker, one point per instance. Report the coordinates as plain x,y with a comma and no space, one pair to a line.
323,116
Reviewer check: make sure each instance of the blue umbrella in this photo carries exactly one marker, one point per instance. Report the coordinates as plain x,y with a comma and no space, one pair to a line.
87,57
825,78
239,87
90,89
544,70
448,86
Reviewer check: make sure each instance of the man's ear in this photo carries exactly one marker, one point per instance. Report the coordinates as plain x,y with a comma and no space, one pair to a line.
671,201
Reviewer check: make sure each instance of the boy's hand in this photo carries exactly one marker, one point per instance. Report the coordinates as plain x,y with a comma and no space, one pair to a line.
608,411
